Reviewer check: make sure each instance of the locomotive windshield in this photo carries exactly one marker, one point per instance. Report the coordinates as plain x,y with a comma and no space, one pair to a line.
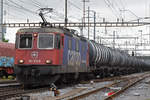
25,41
46,41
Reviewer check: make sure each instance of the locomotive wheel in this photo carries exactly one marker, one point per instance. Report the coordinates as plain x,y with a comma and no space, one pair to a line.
72,78
67,78
64,78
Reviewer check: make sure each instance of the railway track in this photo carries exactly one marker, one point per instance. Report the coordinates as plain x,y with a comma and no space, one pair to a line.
70,94
130,83
18,91
116,87
103,80
79,92
9,91
7,81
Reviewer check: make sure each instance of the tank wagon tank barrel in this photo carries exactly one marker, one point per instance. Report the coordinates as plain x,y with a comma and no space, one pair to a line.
104,56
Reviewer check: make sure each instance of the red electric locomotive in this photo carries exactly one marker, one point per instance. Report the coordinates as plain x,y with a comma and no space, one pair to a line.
44,55
38,55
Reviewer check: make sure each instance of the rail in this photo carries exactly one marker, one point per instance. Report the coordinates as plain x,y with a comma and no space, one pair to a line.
124,84
126,87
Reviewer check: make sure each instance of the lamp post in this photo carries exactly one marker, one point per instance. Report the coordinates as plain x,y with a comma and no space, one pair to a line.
1,21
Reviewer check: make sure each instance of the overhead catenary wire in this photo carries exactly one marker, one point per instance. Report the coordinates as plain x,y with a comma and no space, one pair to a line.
112,8
15,7
34,4
120,6
122,3
21,7
22,12
74,5
109,6
115,7
38,3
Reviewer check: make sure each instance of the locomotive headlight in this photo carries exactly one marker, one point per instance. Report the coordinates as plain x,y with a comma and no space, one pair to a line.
21,61
35,35
48,61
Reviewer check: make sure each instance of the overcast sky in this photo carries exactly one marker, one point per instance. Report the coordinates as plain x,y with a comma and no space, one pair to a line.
110,9
21,10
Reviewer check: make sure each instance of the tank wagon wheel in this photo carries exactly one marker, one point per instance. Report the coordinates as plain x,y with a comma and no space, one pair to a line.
106,72
111,72
85,77
114,72
99,73
117,72
62,80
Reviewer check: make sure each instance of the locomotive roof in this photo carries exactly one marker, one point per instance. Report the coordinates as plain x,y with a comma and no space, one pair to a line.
44,30
50,29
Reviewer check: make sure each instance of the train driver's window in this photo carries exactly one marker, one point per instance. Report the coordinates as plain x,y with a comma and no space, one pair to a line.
25,41
46,41
57,41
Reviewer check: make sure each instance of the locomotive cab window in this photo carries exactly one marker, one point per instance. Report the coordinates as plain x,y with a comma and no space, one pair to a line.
25,41
57,41
46,41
